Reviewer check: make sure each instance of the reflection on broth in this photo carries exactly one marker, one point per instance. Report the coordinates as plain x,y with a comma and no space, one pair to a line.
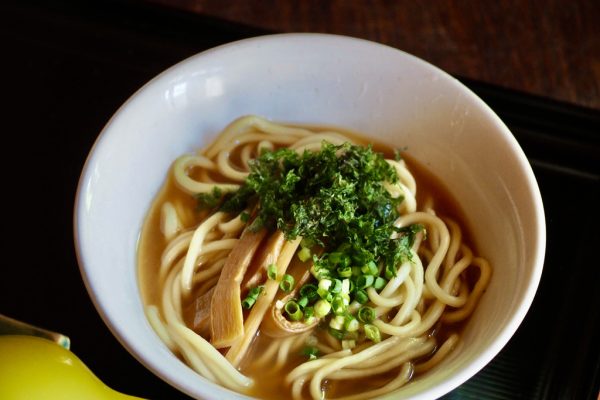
319,271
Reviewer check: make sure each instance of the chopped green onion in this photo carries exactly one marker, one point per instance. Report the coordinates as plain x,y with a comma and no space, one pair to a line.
345,261
351,324
346,286
366,314
325,284
364,281
390,271
250,299
354,307
338,306
293,310
306,242
255,291
311,352
309,315
372,333
336,287
304,254
322,308
248,302
344,272
339,258
303,302
337,322
323,290
335,257
370,268
345,297
314,271
320,272
348,344
287,283
356,271
361,297
272,271
309,291
379,283
336,333
323,293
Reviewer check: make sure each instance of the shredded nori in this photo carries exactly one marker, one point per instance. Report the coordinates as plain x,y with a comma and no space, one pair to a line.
334,198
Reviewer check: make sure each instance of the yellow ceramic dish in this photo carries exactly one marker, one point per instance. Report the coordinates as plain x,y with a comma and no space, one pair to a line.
35,368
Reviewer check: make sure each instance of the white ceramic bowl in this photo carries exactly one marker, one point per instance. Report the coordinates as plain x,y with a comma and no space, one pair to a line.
316,79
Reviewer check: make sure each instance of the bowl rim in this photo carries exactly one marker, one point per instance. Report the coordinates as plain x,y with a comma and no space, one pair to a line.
458,378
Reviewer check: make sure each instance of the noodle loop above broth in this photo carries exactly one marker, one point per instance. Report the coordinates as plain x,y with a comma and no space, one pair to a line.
287,261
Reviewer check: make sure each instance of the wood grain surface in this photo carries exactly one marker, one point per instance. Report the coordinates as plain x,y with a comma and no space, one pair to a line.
548,48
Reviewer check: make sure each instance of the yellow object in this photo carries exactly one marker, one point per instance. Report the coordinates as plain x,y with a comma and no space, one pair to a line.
9,326
35,368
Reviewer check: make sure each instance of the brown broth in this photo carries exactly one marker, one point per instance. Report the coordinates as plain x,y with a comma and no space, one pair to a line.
152,242
270,384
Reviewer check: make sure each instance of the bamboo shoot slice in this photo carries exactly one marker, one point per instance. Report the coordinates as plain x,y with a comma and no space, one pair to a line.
226,317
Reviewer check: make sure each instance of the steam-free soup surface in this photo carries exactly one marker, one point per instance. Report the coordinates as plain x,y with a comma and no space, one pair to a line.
268,383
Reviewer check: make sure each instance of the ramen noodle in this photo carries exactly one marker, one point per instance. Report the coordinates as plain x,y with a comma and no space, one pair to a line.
286,261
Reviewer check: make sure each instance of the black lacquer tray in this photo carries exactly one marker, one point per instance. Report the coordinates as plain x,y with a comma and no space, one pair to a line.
67,67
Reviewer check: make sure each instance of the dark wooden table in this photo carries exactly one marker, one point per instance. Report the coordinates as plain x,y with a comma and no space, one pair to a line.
548,48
